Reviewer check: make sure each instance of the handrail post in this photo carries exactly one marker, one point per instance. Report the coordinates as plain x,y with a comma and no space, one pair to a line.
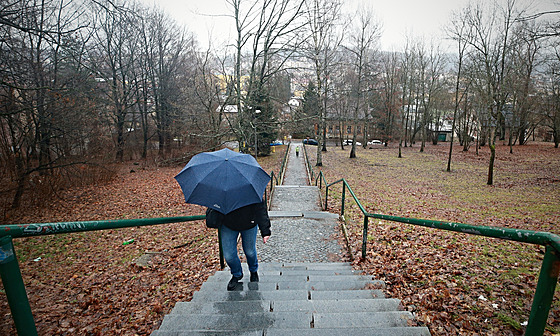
544,293
326,196
222,263
364,237
343,197
15,289
266,198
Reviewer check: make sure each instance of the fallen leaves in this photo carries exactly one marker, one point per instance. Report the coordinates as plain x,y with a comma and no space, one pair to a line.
455,283
88,283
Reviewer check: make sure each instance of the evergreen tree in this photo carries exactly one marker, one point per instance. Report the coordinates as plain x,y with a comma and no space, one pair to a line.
306,120
263,120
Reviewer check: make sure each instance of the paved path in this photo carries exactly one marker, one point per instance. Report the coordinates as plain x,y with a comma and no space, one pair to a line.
299,292
300,231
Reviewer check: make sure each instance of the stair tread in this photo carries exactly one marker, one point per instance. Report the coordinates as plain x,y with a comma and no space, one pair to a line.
239,321
292,277
397,331
286,320
324,306
394,331
297,285
247,295
305,299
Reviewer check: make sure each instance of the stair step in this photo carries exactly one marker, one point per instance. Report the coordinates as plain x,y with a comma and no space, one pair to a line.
301,266
287,277
252,292
244,321
291,299
320,266
318,306
241,321
249,295
333,306
347,294
291,285
210,333
324,285
287,285
361,320
297,273
398,331
214,286
223,307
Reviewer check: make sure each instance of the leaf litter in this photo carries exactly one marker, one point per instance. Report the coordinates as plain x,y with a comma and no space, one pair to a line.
89,283
455,284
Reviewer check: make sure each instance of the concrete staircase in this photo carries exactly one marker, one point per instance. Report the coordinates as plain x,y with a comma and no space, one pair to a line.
291,299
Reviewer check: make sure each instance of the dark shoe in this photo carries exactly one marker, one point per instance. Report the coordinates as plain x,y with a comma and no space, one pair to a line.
232,284
254,277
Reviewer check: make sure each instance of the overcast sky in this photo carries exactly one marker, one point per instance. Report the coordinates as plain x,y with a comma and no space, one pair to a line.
418,18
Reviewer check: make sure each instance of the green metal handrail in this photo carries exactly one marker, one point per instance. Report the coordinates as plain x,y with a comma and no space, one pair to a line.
43,229
311,173
274,180
9,266
550,269
283,165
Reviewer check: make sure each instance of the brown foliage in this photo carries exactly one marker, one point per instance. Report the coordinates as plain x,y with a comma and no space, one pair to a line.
88,283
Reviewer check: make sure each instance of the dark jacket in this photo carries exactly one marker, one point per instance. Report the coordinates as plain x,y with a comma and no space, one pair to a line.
241,219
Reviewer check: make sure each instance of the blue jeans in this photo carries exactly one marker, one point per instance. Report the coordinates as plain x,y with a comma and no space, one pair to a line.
229,246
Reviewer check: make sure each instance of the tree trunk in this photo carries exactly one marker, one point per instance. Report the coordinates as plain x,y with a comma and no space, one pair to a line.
466,127
19,192
324,147
319,162
120,138
492,145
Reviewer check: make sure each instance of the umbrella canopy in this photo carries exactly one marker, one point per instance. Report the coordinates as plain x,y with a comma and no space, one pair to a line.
223,180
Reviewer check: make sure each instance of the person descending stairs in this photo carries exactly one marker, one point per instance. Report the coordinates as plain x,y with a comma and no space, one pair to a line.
302,289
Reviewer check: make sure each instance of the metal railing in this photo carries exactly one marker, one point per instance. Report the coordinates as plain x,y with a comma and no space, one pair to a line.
9,267
278,179
550,269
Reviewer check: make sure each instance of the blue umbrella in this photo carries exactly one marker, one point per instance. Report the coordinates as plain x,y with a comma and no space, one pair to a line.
223,180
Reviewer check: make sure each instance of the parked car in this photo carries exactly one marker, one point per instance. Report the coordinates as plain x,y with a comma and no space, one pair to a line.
375,142
276,143
349,143
310,142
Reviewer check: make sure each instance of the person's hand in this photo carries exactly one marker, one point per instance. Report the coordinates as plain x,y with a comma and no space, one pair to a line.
265,239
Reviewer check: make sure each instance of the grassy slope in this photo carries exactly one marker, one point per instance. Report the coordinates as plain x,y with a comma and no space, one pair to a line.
456,283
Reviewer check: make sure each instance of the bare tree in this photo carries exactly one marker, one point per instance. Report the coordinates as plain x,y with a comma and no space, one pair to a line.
213,95
408,84
430,70
491,30
41,50
168,56
362,41
526,50
141,77
341,109
391,95
551,96
113,59
322,50
458,31
268,31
